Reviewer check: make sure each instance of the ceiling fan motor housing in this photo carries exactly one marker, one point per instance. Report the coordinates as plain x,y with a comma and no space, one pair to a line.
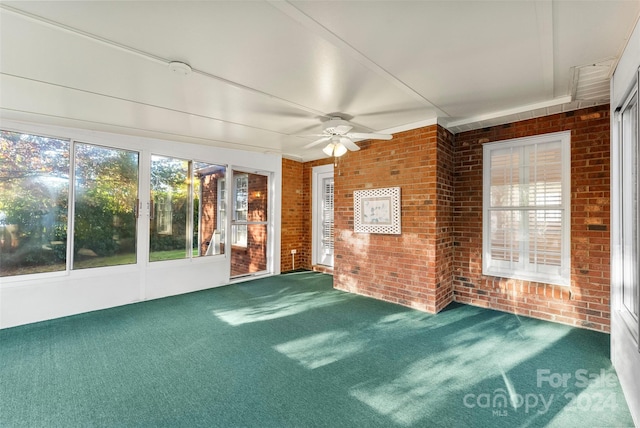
336,126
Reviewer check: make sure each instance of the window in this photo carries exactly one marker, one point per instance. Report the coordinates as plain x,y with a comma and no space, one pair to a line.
34,205
249,225
67,205
164,212
184,210
240,206
526,215
169,208
327,215
222,208
105,208
209,224
34,187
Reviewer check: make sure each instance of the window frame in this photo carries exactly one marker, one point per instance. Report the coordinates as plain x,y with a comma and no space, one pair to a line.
525,270
69,216
191,228
146,147
628,213
239,229
222,208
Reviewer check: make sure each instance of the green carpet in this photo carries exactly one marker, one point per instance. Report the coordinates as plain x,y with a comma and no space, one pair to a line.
289,351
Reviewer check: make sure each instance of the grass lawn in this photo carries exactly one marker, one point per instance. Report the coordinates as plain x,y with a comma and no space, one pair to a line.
169,255
86,262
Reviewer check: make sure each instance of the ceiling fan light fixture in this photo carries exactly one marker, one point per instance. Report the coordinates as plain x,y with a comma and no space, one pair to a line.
328,150
339,150
335,149
335,133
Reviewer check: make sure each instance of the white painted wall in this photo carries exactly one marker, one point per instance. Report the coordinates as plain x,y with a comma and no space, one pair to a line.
624,350
31,298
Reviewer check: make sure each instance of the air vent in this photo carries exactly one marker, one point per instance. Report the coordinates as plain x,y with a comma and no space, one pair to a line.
591,82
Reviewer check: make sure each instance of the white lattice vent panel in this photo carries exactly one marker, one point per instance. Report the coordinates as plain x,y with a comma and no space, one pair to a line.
377,211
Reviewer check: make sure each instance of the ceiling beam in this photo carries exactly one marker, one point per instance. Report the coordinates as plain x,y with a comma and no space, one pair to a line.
544,20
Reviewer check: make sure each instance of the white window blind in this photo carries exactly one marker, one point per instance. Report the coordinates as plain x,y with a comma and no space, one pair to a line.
526,208
240,209
327,215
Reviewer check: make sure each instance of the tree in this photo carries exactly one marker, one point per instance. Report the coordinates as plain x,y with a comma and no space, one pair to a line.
34,186
34,177
106,189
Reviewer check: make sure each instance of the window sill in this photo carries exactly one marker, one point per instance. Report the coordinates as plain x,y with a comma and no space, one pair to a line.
551,280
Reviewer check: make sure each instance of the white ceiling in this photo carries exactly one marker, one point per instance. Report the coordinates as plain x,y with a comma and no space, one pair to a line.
265,72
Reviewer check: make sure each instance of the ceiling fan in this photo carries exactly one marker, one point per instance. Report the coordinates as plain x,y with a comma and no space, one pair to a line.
336,133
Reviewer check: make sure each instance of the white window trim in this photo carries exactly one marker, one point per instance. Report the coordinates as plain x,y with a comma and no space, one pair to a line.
494,269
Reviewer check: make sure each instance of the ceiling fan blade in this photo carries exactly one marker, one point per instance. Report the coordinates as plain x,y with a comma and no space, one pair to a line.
319,141
369,136
349,144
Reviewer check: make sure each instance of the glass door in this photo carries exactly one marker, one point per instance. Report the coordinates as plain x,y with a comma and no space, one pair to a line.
630,210
249,223
323,186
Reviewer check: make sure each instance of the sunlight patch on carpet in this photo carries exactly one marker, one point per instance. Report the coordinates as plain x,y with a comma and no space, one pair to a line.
284,306
322,349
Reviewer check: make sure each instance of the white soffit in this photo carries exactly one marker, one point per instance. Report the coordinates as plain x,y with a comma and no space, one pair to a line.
591,82
506,116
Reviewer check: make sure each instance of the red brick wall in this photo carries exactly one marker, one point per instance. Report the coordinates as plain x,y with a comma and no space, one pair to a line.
586,302
296,212
438,256
293,214
445,193
402,268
